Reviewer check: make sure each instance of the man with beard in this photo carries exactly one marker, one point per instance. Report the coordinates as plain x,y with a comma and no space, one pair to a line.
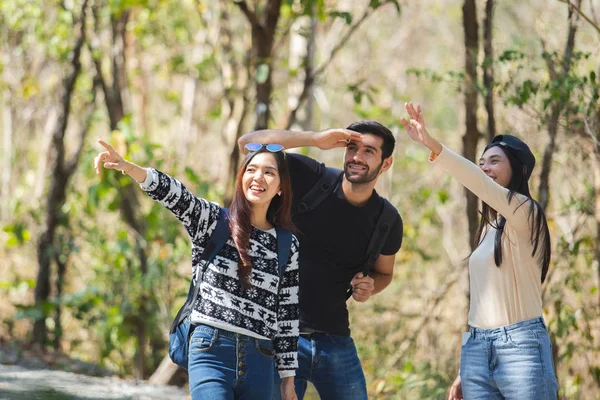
334,237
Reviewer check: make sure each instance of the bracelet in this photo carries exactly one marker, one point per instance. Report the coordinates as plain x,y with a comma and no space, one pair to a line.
130,169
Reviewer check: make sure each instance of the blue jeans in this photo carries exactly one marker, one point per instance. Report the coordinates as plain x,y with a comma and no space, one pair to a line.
224,365
331,363
511,362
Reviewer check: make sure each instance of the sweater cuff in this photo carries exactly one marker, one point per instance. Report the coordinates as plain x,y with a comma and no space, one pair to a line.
286,373
150,179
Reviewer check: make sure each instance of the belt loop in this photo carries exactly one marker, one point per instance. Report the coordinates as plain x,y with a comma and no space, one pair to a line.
504,334
472,332
215,335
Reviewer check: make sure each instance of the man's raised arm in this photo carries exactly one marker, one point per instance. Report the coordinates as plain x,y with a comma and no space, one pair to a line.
325,140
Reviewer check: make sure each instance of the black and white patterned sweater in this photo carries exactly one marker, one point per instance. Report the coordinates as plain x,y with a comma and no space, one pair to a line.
269,309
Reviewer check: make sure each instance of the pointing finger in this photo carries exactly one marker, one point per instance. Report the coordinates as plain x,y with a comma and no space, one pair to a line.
107,147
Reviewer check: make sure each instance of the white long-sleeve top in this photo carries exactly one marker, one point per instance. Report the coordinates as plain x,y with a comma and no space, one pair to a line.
512,292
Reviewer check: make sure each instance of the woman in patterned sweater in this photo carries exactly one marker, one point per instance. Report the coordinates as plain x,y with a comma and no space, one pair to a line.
246,315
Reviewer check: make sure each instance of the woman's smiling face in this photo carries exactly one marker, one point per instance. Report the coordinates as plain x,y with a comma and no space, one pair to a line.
495,164
261,179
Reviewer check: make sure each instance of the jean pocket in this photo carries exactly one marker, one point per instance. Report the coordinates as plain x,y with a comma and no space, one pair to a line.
265,350
200,344
524,339
345,341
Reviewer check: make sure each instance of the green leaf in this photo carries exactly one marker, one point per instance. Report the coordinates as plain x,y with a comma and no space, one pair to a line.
443,196
192,176
346,16
262,73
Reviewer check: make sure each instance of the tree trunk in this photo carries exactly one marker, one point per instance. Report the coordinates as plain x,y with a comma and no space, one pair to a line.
61,260
301,59
188,102
263,37
471,136
129,203
595,134
557,106
168,373
7,151
236,81
57,193
488,68
544,190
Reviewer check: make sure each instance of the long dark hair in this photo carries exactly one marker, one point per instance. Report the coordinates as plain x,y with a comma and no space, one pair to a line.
279,212
540,235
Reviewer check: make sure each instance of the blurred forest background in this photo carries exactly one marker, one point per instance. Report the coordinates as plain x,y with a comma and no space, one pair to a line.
93,270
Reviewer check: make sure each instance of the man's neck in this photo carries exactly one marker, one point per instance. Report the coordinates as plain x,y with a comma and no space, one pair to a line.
358,194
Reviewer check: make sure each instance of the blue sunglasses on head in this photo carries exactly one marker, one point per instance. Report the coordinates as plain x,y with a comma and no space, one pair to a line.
273,148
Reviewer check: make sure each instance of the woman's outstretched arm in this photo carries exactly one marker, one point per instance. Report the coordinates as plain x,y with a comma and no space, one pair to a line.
197,215
469,174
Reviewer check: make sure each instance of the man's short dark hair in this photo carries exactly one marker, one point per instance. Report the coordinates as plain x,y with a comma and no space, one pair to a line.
375,128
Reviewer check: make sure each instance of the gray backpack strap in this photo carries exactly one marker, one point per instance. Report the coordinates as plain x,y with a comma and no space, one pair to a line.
323,188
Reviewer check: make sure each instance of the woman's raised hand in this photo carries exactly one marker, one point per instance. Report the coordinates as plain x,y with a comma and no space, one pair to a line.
110,159
416,128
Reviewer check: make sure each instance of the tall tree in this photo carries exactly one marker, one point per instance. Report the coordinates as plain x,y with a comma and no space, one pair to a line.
60,171
263,25
488,68
558,69
114,91
472,135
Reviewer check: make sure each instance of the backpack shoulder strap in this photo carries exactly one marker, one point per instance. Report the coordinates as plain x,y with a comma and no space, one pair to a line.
284,246
380,234
217,240
323,188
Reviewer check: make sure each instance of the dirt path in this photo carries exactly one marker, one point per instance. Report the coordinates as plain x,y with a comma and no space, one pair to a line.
44,384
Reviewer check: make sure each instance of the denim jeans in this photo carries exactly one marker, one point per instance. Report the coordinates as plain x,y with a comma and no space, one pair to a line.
511,362
331,363
224,365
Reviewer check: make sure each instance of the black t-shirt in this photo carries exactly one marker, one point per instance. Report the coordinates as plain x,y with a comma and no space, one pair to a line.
333,247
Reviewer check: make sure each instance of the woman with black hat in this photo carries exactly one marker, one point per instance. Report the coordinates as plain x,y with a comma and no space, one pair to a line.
507,352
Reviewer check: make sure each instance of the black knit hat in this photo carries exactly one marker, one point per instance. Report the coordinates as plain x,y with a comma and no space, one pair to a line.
517,148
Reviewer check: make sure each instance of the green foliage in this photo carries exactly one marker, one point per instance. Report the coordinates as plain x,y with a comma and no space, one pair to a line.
454,78
346,16
378,3
572,93
18,234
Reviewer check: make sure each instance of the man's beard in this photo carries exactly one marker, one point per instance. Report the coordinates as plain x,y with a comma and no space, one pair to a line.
366,178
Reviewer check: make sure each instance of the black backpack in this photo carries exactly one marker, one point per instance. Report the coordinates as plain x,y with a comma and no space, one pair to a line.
323,188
